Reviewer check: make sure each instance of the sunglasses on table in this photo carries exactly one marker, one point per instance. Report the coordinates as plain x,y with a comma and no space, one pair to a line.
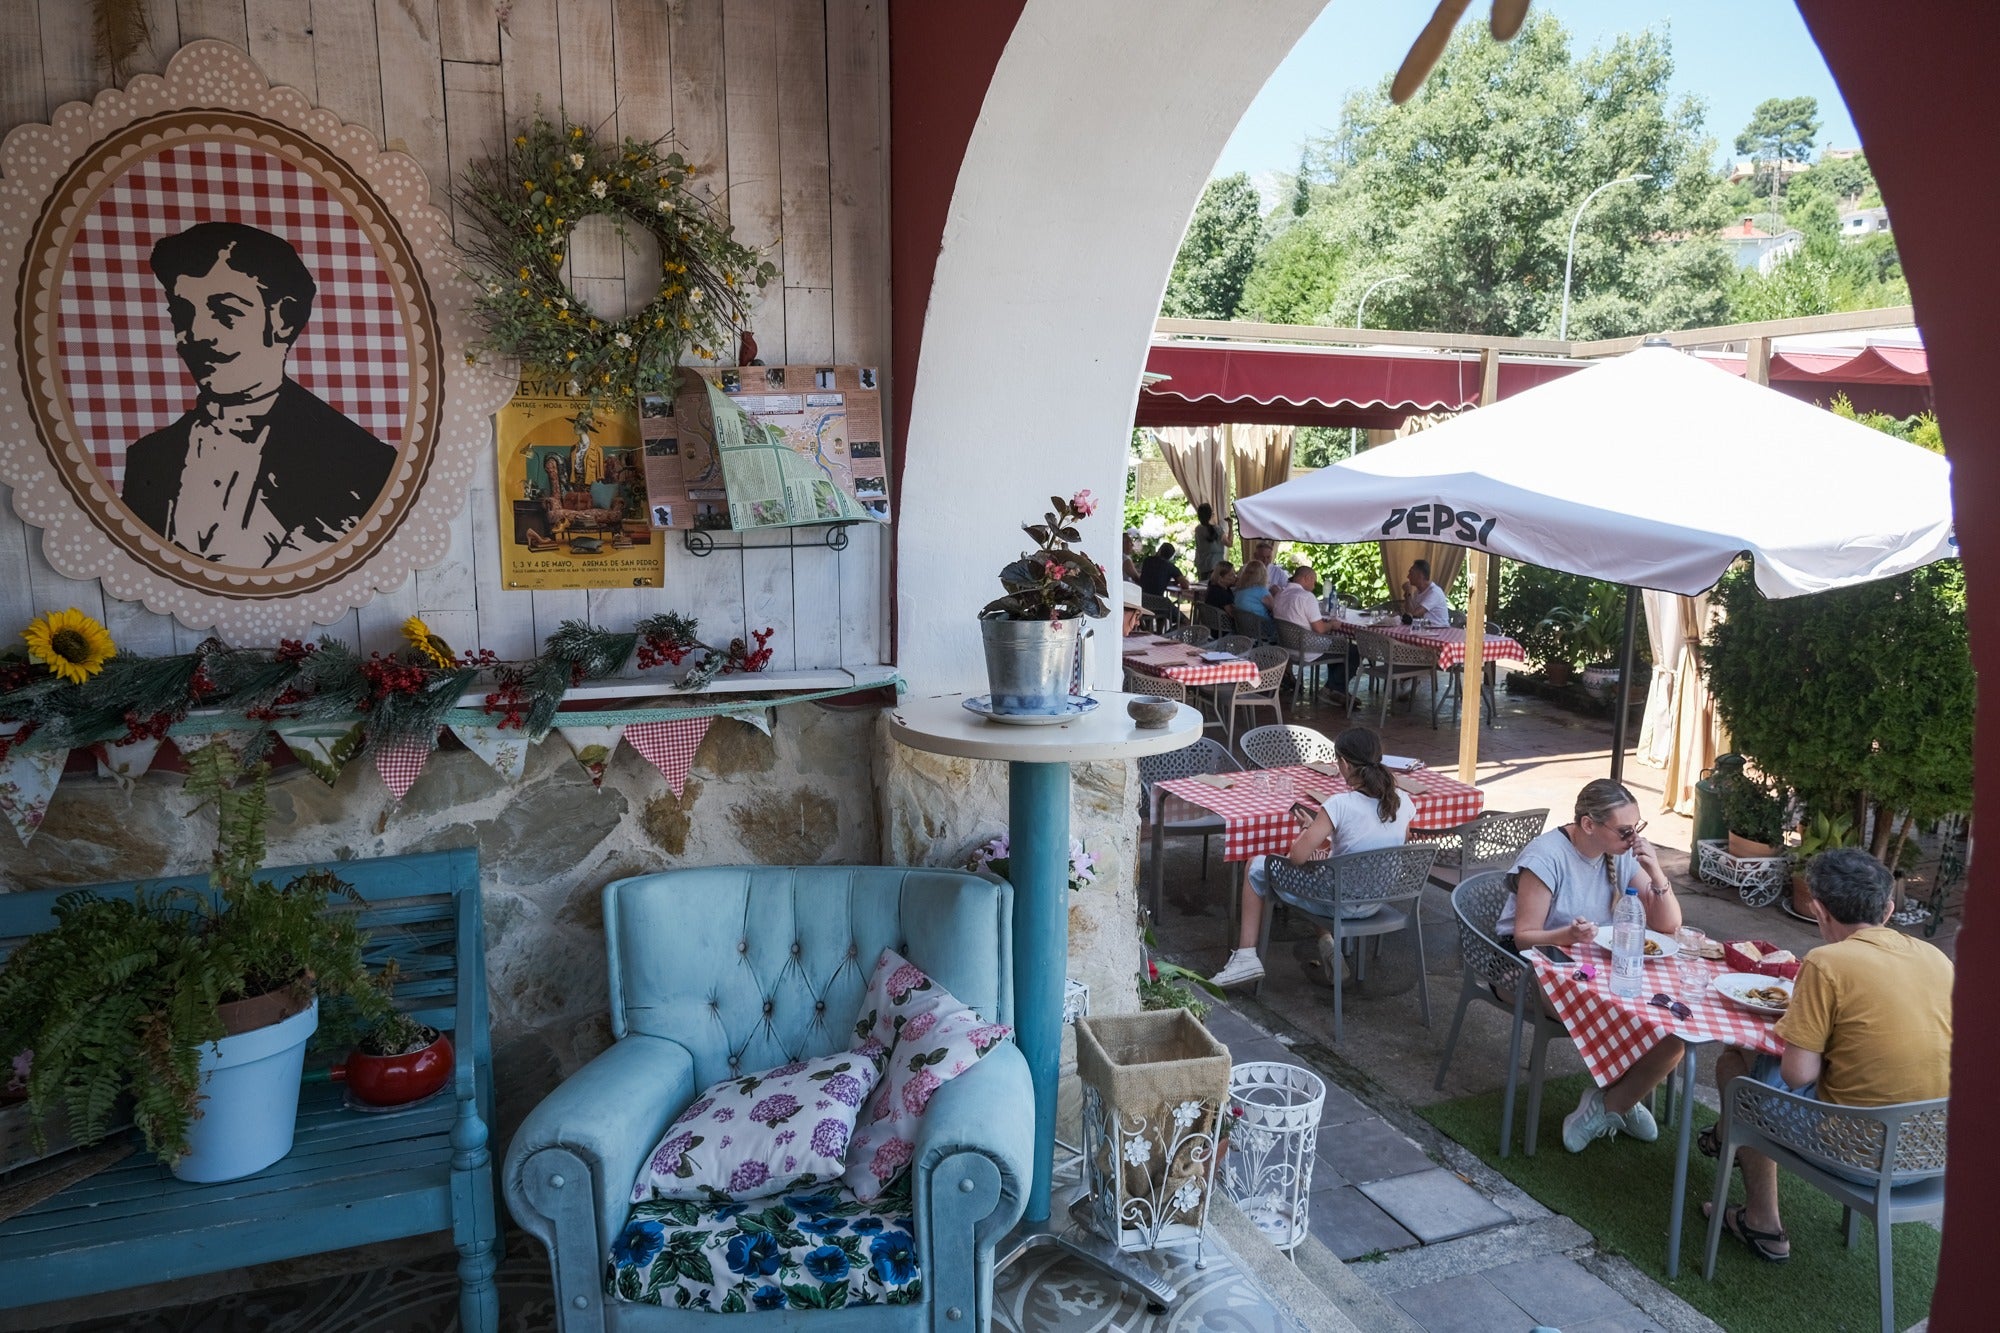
1672,1006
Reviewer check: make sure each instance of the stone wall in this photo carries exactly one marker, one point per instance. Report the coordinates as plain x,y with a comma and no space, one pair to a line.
547,845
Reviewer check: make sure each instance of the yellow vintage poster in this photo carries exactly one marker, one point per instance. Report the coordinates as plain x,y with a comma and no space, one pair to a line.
572,501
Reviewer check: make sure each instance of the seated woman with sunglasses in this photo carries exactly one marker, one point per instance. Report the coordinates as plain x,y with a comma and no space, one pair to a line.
1565,885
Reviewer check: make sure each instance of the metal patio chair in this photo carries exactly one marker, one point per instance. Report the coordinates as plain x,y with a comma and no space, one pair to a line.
1272,664
1320,889
1283,746
1389,664
1490,842
1204,756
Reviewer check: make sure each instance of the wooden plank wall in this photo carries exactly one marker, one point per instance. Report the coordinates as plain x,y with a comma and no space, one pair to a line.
782,105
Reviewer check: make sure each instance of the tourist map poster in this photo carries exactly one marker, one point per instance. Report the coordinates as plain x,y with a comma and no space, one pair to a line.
572,502
766,446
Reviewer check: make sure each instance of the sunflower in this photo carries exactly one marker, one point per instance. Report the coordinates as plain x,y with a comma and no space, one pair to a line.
428,645
70,644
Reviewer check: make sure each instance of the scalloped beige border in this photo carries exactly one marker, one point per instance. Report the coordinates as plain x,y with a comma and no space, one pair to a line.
57,490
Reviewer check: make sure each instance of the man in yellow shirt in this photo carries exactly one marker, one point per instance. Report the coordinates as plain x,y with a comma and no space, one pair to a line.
1869,1025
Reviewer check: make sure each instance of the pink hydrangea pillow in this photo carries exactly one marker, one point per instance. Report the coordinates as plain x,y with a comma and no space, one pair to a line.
762,1134
934,1039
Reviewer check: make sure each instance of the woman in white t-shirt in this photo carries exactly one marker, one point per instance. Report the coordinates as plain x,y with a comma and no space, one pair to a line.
1374,813
1565,884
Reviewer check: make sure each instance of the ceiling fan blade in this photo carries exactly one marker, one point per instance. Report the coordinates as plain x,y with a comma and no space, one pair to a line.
1508,16
1424,52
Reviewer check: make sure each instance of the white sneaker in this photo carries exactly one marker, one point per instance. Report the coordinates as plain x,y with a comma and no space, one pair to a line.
1589,1121
1333,965
1242,968
1639,1123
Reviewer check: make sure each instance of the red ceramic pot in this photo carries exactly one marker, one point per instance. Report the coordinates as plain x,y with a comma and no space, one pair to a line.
394,1080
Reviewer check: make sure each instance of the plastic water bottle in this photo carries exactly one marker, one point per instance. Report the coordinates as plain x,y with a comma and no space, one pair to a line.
1628,945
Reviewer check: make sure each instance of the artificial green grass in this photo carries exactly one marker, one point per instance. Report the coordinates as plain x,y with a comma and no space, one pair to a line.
1619,1190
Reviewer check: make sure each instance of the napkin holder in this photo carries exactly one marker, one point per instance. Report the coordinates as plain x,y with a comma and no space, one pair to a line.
1737,960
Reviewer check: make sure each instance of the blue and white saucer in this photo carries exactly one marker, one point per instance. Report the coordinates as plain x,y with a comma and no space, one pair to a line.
1078,705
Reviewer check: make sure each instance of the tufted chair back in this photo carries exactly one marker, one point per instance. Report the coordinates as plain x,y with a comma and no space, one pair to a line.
753,966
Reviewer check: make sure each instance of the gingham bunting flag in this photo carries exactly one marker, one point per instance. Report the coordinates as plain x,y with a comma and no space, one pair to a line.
669,746
505,749
127,762
27,780
593,747
399,764
324,756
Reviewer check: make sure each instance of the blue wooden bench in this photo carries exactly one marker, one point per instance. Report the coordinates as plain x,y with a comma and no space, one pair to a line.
351,1178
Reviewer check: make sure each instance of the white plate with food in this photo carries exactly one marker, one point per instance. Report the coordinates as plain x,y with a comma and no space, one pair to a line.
1659,948
1755,991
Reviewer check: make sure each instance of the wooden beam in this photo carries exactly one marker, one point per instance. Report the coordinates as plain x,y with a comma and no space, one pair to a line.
1757,361
1472,676
1888,317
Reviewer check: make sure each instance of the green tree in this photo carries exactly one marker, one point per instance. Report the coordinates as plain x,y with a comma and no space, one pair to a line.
1217,253
1296,275
1302,186
1471,187
1783,130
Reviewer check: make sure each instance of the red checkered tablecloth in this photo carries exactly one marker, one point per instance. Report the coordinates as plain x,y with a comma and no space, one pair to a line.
116,344
1260,823
1177,661
1449,644
1612,1032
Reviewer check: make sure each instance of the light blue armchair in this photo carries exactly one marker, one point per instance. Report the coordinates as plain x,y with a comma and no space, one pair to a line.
733,969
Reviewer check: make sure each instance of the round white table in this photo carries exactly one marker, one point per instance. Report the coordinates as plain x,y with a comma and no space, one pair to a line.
1038,799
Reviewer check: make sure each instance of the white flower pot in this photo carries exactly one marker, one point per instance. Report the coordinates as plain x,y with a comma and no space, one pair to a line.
249,1101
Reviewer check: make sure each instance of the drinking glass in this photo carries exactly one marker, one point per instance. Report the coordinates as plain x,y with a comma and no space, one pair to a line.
1689,966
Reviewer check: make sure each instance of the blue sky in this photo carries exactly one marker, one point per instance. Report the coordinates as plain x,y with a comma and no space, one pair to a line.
1732,54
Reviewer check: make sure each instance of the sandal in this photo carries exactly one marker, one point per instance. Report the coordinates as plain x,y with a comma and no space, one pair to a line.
1735,1223
1709,1142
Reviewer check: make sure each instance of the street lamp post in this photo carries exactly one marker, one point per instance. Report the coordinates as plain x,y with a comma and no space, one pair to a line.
1362,308
1569,258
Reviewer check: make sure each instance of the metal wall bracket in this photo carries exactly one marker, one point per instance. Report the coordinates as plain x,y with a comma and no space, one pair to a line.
700,541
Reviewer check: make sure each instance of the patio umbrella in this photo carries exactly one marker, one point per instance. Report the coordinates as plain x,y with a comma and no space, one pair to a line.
1653,470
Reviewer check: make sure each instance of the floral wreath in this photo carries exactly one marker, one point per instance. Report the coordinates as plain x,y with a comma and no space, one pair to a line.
526,205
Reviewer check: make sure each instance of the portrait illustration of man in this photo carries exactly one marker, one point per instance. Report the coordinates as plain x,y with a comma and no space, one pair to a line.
259,471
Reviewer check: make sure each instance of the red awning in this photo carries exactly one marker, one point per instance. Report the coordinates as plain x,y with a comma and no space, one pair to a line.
1895,380
1288,385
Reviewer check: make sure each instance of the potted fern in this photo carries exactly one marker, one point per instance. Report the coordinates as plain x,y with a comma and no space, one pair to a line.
194,1006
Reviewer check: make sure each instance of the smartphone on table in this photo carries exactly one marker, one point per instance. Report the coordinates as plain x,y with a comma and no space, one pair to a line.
1555,955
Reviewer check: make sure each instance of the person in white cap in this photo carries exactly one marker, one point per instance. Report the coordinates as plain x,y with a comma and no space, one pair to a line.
1132,606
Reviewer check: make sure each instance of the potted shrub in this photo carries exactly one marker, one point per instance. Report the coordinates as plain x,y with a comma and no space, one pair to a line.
400,1061
195,1006
1820,833
1588,632
1030,634
1753,813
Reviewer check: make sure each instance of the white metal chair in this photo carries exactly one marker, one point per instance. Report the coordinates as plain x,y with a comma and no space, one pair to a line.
1284,746
1490,842
1492,972
1204,756
1900,1148
1320,889
1264,693
1391,663
1454,690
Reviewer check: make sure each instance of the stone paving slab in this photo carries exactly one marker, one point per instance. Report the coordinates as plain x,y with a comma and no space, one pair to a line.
1369,1150
1558,1291
1346,1222
1436,1206
1463,1305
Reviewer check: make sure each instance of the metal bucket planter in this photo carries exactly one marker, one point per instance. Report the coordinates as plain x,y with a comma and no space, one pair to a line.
1273,1137
1028,663
1154,1085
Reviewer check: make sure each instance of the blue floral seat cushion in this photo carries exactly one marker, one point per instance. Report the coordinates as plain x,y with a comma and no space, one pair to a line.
818,1250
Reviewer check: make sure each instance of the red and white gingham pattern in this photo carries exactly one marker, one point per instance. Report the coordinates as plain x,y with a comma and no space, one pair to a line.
1450,644
1612,1032
116,344
1260,823
1177,661
400,764
669,746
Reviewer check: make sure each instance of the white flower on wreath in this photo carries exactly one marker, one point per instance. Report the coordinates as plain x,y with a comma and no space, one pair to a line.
1187,1198
622,339
574,388
1138,1151
597,189
492,289
664,204
694,297
1186,1114
576,160
562,303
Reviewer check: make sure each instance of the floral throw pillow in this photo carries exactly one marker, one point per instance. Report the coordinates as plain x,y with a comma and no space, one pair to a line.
934,1039
762,1134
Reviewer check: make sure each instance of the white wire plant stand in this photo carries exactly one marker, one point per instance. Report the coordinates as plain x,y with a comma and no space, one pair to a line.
1150,1180
1758,880
1274,1112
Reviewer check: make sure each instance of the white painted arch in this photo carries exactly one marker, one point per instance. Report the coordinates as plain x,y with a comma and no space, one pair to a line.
1053,261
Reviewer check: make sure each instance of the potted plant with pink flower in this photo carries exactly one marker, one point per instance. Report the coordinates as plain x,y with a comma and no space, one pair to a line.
1030,633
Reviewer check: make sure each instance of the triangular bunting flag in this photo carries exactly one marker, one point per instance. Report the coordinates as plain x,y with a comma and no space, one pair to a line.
236,742
593,747
504,748
126,762
323,756
669,746
759,718
27,780
400,763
